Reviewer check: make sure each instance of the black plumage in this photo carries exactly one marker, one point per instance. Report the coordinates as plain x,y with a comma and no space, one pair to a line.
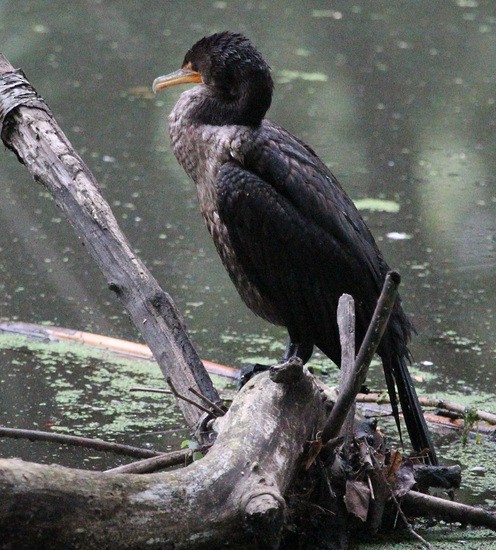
289,236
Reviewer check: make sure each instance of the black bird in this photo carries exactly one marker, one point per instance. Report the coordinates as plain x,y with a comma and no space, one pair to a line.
289,236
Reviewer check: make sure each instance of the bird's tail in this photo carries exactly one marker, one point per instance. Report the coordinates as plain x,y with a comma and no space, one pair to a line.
397,374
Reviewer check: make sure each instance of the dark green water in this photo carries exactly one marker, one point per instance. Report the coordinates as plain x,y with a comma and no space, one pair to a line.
398,98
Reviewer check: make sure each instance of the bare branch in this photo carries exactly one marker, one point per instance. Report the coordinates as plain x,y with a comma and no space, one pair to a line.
367,350
35,435
155,463
419,504
29,129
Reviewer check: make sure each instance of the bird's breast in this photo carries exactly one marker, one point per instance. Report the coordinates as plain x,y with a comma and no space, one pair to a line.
202,149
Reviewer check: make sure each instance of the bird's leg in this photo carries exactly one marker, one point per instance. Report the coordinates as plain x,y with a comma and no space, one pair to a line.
291,369
302,351
248,371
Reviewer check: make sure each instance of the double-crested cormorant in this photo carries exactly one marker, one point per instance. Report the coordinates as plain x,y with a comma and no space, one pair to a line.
290,238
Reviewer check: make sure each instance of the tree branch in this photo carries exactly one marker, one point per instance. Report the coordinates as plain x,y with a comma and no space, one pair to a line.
222,500
74,440
418,504
155,463
29,129
368,348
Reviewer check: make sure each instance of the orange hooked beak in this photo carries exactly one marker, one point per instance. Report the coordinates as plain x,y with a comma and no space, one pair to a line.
182,76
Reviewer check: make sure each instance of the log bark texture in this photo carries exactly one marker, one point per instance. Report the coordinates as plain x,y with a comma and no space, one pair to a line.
231,498
30,131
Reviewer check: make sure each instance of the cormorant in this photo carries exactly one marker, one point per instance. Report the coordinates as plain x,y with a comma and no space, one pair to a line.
289,236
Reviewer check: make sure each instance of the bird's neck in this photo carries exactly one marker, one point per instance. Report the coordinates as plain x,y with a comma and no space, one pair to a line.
246,107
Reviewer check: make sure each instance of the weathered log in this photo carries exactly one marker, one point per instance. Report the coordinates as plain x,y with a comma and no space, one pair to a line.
418,504
30,131
222,500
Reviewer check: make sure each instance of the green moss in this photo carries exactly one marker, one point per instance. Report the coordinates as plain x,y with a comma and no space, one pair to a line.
90,388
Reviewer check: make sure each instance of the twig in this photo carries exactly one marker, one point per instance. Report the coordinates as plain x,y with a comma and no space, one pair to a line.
117,448
410,529
151,390
214,406
149,465
184,398
225,396
367,350
433,402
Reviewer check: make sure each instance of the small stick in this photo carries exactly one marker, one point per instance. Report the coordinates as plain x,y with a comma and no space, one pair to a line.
117,448
184,398
488,417
214,406
410,529
151,390
367,350
346,323
149,465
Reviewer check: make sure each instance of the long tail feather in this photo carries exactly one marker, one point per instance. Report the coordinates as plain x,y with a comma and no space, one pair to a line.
410,406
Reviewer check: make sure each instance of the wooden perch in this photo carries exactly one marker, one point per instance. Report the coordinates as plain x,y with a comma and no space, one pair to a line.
31,132
240,482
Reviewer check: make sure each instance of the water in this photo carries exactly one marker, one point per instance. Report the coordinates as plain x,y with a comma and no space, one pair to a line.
397,97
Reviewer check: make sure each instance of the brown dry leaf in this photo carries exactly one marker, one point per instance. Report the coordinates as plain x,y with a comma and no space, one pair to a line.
365,458
314,450
357,499
392,469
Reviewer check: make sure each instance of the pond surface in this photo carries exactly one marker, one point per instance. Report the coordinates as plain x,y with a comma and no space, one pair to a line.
398,98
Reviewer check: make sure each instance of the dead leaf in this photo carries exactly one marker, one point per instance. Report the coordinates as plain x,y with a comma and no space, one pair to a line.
314,450
357,499
392,469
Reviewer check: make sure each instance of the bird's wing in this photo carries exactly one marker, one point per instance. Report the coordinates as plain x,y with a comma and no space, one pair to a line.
296,172
295,262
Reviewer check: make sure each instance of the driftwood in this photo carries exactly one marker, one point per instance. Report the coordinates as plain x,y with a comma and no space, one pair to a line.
99,341
266,460
240,482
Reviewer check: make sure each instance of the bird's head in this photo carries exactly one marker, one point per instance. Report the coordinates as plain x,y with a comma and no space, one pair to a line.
235,76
